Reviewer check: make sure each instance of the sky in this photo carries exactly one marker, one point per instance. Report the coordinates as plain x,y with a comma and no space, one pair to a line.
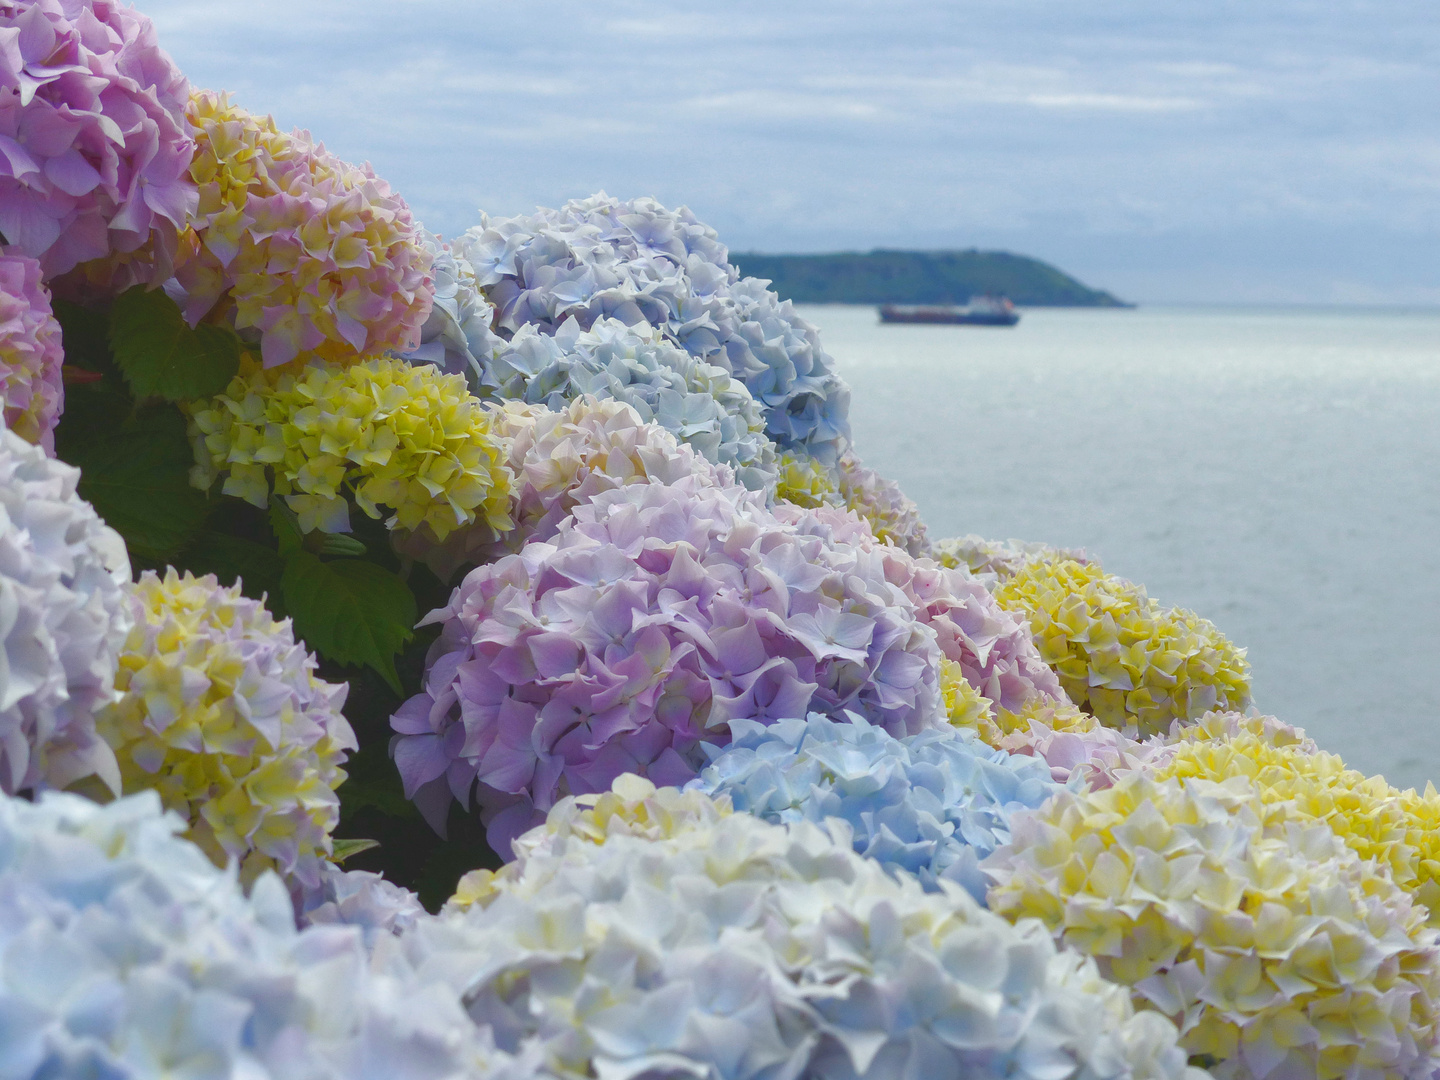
1184,151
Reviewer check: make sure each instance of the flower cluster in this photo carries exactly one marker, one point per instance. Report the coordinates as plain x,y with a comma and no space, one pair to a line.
94,150
698,403
638,262
63,617
722,945
892,516
1118,654
994,561
659,613
805,482
30,353
125,953
309,252
1275,948
221,713
992,646
457,336
381,430
1375,820
561,460
931,804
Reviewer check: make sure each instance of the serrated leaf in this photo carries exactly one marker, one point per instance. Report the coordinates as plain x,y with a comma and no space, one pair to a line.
136,473
343,849
162,356
350,611
233,558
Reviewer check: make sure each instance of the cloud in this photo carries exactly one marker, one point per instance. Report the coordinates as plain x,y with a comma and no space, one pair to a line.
821,126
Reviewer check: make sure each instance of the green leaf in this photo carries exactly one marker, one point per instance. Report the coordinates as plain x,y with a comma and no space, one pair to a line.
343,849
162,356
83,336
135,471
350,611
231,559
286,527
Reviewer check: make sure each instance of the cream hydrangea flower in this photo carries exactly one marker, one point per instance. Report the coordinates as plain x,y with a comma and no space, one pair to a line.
652,935
806,482
994,561
315,255
221,713
1395,828
1119,655
381,431
892,516
1276,949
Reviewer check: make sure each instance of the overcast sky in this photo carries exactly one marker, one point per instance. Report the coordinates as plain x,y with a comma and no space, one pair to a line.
1168,150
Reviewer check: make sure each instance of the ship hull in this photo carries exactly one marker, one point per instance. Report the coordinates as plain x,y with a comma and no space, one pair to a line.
943,316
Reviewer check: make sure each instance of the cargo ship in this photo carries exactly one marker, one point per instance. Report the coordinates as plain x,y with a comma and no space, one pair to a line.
980,311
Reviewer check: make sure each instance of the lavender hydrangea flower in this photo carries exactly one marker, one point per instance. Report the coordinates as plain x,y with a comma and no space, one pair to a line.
63,619
698,403
932,804
659,613
639,262
124,953
94,149
30,353
717,945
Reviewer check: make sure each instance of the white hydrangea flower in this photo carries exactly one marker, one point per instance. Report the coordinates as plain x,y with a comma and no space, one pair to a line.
126,954
642,935
63,618
699,403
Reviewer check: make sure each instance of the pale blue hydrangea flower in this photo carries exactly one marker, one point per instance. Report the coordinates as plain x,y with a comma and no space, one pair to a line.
932,804
357,898
125,954
637,262
456,337
717,945
63,619
698,403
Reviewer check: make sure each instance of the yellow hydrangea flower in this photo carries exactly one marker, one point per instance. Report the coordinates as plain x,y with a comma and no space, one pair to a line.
965,706
381,431
805,482
1119,655
1270,943
1375,820
221,713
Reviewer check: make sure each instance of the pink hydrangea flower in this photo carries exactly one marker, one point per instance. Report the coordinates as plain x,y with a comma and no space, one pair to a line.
30,353
312,254
94,149
658,614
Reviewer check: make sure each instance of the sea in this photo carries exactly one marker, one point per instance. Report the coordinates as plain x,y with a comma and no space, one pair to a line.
1275,470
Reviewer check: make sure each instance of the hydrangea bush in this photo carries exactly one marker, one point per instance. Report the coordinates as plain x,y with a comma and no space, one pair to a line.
638,262
932,804
30,353
94,148
648,935
63,618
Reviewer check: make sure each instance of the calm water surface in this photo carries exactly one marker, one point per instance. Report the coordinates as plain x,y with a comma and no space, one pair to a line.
1277,471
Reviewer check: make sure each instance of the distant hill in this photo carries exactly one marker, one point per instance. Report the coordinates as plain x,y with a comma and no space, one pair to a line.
920,277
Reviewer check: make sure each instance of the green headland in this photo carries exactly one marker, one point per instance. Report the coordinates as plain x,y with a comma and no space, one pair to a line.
920,277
